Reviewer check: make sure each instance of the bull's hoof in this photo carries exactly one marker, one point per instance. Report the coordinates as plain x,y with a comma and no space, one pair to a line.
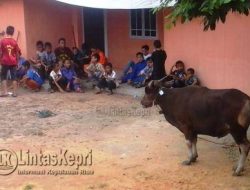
234,167
187,162
194,159
237,174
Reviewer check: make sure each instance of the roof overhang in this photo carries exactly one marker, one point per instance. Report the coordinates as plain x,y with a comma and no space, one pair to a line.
115,4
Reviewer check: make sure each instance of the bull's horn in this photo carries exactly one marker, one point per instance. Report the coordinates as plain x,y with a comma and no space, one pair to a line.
150,84
162,79
157,83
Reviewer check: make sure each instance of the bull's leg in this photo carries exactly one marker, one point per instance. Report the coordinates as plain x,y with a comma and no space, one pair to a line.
243,156
194,150
190,153
240,137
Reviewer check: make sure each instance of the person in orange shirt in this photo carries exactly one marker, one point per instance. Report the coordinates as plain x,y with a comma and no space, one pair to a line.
103,59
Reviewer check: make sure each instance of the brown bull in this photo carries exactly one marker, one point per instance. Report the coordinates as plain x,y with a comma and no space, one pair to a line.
199,110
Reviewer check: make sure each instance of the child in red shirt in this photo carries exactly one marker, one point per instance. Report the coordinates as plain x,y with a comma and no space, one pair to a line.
9,54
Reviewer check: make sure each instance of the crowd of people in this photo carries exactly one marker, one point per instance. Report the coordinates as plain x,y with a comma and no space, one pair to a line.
64,68
149,67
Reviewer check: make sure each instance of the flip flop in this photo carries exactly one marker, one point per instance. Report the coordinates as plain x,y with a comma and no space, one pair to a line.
51,91
98,92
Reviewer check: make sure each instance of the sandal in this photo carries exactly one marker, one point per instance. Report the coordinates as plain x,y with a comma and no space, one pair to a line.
3,95
98,92
51,91
78,90
14,95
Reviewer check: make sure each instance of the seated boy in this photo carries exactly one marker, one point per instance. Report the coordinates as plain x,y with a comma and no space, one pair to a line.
39,50
95,69
191,79
78,59
102,56
145,51
135,69
108,79
48,59
20,68
37,60
178,75
63,52
146,55
56,81
73,83
145,74
31,79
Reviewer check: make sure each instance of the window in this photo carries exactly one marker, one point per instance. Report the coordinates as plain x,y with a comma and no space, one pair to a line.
143,23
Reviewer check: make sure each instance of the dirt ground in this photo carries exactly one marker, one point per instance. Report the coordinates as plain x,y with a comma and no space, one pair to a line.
132,148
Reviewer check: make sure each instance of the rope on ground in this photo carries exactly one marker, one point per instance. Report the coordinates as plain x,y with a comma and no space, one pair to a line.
222,144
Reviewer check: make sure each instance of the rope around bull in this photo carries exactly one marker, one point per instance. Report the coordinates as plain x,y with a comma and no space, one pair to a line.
221,144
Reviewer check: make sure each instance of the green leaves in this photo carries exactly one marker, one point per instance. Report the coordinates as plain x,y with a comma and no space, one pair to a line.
211,11
225,1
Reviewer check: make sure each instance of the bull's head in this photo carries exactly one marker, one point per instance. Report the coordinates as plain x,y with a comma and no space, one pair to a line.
151,92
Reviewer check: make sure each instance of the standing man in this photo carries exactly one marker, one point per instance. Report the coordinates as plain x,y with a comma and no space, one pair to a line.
159,57
9,56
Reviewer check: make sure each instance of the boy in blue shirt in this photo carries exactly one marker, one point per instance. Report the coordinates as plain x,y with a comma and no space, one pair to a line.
135,69
191,79
178,75
48,59
20,68
145,75
31,79
69,74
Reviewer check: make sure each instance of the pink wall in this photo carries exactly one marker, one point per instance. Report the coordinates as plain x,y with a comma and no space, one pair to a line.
11,13
121,47
221,58
48,20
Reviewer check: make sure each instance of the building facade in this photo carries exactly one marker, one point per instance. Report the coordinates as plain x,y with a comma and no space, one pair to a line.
220,57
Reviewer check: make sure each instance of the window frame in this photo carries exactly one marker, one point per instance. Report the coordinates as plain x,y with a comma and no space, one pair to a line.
143,26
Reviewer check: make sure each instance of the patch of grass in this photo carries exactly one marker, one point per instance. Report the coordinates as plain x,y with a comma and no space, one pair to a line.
29,187
91,187
103,185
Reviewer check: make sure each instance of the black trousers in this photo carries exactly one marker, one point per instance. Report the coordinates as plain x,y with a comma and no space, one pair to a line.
43,73
103,83
9,68
62,83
